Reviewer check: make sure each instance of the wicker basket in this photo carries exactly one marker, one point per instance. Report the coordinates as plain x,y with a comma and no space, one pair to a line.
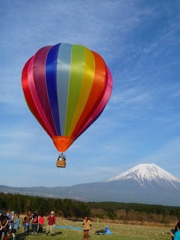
61,163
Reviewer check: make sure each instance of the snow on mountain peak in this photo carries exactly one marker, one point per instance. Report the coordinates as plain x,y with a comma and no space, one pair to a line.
146,172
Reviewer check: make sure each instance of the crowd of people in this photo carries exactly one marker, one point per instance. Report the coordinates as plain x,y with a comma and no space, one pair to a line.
32,223
9,224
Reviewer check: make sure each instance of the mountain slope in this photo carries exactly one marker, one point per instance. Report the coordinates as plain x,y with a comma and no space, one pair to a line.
144,183
151,173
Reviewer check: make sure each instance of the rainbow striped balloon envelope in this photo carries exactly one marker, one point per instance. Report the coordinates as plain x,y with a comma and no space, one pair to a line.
66,88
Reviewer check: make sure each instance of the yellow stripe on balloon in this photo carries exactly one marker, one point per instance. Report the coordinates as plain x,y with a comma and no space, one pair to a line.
85,88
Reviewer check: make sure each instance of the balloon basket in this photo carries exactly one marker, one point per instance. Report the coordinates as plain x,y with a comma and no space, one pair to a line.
61,161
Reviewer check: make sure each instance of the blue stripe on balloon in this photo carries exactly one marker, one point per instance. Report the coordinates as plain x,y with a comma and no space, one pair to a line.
63,77
51,70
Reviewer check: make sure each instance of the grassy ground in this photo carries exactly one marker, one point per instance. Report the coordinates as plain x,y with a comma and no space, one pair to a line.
120,232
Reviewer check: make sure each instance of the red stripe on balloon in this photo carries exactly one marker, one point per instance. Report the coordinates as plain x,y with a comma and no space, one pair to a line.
28,96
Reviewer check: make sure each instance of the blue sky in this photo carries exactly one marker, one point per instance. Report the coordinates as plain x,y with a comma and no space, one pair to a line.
140,42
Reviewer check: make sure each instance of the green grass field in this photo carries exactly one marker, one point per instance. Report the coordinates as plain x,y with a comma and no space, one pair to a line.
120,232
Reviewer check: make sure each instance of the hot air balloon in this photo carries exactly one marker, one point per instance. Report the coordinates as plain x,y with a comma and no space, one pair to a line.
66,87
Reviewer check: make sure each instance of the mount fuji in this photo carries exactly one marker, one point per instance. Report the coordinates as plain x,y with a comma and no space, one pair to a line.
148,173
144,183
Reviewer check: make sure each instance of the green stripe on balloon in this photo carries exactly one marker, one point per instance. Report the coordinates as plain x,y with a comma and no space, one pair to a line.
76,78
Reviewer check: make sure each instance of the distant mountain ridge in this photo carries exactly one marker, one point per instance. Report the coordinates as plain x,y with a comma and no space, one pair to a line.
144,183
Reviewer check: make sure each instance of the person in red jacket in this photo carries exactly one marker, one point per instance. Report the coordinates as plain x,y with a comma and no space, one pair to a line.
41,223
51,222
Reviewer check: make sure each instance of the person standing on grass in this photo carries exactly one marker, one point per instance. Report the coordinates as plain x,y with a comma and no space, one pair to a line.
15,226
28,221
35,223
51,222
41,223
11,221
4,226
86,228
26,225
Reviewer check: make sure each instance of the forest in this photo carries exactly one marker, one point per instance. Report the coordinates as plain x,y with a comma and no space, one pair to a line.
72,209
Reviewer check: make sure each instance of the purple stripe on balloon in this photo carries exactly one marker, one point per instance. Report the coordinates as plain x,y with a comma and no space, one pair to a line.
40,83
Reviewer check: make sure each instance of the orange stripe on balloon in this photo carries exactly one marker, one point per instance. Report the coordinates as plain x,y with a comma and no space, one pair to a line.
99,109
96,92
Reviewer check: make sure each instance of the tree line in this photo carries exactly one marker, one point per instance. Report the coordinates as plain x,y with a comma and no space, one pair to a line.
73,209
